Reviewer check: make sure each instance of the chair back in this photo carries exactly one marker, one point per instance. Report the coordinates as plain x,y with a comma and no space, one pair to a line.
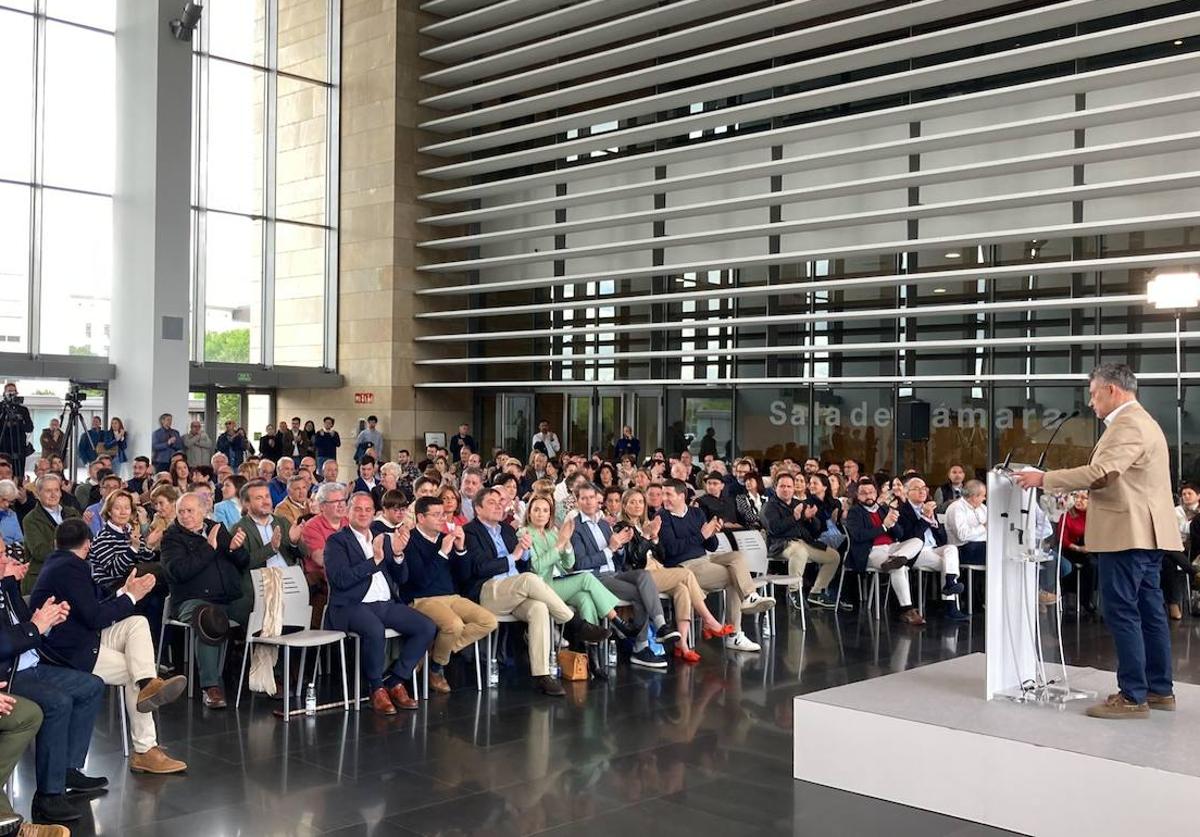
722,545
753,547
297,613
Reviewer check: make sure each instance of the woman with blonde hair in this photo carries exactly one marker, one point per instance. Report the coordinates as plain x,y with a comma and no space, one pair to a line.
552,558
678,582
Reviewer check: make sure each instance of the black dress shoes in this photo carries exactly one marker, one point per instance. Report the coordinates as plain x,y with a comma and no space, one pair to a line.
54,808
77,781
10,824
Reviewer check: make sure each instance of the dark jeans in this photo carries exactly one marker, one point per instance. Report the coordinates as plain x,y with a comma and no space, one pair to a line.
1175,571
69,700
1133,609
369,622
973,552
1085,564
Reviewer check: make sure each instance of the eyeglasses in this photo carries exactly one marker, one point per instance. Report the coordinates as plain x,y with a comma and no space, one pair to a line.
333,502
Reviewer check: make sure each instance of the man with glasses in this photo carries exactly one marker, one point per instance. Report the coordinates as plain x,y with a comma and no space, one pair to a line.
331,516
365,575
918,520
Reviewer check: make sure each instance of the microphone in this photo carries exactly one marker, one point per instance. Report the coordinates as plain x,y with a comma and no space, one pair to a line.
1057,424
1045,450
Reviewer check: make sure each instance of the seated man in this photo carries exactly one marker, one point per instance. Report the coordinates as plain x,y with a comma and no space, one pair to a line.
492,572
598,549
918,519
430,587
204,566
109,482
685,539
793,529
285,469
105,638
295,504
39,525
269,541
316,531
69,699
877,541
966,523
365,574
20,719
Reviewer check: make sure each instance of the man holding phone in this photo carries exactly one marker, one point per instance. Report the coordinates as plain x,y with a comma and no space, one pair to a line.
877,541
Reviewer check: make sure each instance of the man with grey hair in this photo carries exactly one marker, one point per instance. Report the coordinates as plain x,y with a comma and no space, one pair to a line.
1130,524
331,516
966,523
40,524
469,485
10,524
284,469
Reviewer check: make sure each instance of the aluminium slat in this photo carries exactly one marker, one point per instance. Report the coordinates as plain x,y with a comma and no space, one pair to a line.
914,245
489,15
975,204
1149,261
1020,58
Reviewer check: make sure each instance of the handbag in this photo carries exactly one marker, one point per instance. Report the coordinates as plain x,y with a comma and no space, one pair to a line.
573,665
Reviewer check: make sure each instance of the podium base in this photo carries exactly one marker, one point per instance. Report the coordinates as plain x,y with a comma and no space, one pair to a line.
1051,694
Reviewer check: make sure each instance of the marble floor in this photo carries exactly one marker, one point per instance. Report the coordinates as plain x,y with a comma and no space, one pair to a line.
694,750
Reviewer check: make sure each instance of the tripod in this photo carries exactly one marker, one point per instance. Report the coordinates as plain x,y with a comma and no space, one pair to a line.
12,436
72,426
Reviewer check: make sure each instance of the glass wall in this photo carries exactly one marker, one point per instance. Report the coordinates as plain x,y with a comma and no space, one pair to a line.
265,210
55,97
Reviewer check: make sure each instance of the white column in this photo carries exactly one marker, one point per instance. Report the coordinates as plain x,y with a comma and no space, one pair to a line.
151,220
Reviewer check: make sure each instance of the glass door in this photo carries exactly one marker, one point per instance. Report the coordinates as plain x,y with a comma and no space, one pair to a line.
517,429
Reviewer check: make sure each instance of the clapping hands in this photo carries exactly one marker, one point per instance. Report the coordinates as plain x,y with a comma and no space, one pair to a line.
51,613
138,586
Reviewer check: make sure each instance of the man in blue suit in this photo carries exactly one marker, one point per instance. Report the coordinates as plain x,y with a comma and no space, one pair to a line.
602,551
365,575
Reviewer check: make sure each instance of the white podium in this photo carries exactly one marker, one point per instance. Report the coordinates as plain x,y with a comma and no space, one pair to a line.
1016,665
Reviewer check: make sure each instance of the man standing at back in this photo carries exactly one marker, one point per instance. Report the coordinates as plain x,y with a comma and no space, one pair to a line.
1131,522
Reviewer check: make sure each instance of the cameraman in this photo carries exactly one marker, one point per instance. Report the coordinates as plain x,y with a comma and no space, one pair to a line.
15,426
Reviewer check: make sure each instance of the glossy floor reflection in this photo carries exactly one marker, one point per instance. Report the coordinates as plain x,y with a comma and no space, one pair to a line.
699,750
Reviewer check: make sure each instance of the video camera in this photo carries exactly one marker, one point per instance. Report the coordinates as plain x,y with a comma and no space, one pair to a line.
74,397
13,399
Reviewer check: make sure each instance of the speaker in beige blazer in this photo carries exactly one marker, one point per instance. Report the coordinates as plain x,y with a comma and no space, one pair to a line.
1128,476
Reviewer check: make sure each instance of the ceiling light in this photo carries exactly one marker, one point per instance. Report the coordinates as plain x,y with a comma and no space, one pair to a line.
1174,289
953,254
939,290
1179,43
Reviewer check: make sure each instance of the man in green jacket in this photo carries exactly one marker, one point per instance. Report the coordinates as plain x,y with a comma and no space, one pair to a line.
267,538
41,523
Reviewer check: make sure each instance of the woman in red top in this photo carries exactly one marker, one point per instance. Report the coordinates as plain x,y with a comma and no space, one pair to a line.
1071,527
454,517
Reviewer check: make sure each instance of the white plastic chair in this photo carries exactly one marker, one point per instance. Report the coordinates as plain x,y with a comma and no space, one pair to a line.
753,547
297,613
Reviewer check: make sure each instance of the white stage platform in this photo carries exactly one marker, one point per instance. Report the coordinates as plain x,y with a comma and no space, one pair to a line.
926,738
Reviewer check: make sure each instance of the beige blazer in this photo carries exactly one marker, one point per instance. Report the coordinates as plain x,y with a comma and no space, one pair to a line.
1129,479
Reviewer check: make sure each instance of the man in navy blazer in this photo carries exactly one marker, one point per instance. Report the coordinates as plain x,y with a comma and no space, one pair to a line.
598,549
918,520
365,575
102,636
876,540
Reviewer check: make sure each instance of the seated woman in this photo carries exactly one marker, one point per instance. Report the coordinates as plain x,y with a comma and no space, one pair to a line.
678,582
120,547
455,519
1071,527
553,560
750,502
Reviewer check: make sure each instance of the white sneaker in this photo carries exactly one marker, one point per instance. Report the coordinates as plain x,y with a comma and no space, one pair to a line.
755,603
741,642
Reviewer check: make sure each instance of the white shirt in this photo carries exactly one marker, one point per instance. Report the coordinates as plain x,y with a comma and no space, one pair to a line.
1108,420
965,524
550,440
593,526
379,590
56,514
930,540
266,532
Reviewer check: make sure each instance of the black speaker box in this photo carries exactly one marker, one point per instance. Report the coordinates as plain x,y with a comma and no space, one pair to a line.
912,420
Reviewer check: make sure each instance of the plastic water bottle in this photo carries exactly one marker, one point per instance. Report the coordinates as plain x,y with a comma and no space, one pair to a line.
612,653
310,700
493,672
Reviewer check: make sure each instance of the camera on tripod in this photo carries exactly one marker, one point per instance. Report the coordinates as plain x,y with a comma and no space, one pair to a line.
74,397
13,399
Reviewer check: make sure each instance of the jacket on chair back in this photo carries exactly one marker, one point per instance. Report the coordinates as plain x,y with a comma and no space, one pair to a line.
76,642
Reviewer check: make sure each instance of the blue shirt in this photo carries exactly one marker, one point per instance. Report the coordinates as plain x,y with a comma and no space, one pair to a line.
96,523
501,549
10,527
229,513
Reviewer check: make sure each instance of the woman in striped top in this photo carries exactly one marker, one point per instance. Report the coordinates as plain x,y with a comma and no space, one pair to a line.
118,547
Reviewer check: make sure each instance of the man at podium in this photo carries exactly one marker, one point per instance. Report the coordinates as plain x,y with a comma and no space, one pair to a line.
1131,521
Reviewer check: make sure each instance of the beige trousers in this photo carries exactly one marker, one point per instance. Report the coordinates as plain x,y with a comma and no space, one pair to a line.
531,600
127,656
680,583
724,571
799,553
460,622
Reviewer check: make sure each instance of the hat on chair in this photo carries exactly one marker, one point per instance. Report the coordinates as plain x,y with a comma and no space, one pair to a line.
211,624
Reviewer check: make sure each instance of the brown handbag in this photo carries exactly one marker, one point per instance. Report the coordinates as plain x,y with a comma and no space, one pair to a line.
573,665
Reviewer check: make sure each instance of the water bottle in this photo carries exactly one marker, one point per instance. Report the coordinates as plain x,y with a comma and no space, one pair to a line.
310,700
766,624
493,672
612,653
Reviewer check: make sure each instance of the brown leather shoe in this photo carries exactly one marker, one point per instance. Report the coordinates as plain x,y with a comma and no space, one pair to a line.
30,829
1118,707
155,760
893,563
381,703
159,692
1174,611
438,683
401,699
1164,702
912,616
214,697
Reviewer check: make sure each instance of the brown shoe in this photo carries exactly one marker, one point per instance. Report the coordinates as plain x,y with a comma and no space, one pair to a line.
401,699
1118,707
159,692
893,563
30,829
1164,702
1174,611
912,616
1046,598
214,697
381,703
155,760
438,683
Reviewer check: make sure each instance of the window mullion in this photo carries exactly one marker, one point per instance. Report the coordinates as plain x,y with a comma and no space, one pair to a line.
200,216
34,325
333,70
270,146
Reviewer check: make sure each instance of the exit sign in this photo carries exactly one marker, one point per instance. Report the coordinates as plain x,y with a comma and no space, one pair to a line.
244,377
364,398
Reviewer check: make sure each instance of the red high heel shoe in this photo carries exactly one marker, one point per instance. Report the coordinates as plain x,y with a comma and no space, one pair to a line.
726,630
688,656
